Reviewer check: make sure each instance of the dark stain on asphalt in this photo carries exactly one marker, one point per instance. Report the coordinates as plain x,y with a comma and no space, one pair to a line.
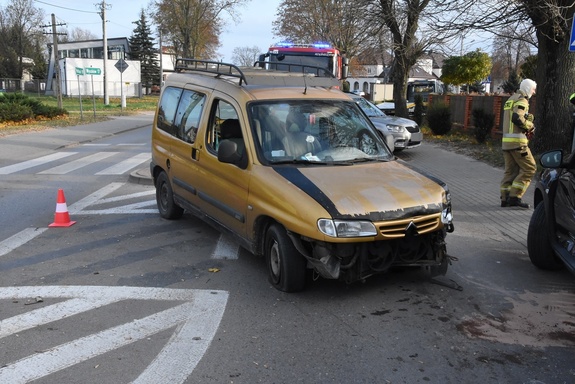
380,313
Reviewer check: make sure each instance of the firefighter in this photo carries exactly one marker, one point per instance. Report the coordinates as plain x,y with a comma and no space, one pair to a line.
518,128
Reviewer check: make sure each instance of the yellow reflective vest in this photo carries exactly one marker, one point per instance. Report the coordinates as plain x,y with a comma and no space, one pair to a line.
514,123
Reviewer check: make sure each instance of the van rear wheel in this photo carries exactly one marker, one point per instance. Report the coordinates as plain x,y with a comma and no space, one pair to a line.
286,266
165,198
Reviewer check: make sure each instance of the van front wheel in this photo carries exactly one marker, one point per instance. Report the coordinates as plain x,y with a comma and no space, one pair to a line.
165,199
286,266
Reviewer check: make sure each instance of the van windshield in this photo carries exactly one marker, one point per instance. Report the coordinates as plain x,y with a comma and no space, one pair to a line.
314,131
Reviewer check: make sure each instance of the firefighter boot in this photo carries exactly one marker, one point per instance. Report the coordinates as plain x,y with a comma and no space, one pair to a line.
505,201
516,202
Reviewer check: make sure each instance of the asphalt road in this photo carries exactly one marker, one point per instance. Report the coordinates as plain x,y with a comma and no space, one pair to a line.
125,296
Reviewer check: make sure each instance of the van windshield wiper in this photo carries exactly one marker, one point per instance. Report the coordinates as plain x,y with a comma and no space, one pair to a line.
300,161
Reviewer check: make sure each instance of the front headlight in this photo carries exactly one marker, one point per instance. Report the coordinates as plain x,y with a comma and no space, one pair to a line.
394,128
446,213
342,228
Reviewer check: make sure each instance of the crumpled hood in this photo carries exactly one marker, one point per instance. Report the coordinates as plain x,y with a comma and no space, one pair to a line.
373,191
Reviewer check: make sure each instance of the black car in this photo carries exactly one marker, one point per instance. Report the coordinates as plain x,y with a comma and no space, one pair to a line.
551,233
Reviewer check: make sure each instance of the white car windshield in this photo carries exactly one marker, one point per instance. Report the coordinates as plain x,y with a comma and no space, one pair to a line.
314,131
367,107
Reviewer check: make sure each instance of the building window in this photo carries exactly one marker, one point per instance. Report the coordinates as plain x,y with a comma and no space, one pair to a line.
97,53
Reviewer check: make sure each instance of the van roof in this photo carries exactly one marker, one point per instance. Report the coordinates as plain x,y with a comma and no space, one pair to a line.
257,76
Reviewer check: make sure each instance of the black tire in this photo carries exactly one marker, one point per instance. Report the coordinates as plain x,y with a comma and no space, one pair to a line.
165,199
286,266
538,244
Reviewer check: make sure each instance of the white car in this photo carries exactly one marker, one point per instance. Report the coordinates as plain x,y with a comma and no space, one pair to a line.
388,107
405,132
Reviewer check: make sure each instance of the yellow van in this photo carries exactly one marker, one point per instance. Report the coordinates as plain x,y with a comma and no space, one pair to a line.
292,168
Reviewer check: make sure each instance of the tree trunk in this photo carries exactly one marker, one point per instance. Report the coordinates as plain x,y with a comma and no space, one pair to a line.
555,79
400,76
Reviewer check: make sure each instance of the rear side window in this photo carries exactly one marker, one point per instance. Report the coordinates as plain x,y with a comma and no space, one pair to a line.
167,109
188,115
180,112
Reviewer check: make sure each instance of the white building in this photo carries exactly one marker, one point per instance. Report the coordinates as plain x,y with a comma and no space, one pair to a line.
90,54
86,77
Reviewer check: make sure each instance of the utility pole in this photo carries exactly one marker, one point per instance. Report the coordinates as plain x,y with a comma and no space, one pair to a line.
161,62
105,40
56,62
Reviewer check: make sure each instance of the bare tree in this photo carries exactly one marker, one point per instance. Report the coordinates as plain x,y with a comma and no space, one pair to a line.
340,23
193,27
551,20
76,34
510,50
409,23
79,34
245,56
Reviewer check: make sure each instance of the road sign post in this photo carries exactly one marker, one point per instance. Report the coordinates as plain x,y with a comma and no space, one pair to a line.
93,71
79,72
121,65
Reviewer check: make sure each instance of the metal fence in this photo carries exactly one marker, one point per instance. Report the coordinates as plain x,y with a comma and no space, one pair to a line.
19,85
72,88
462,106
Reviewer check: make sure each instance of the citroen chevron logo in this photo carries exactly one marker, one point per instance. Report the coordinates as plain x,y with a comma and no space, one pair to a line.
411,229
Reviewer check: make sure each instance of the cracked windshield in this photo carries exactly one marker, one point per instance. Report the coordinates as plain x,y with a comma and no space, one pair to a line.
323,131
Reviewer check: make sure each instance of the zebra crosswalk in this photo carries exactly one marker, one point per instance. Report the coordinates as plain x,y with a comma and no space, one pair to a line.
63,163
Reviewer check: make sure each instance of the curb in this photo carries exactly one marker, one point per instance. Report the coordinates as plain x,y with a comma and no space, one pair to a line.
141,176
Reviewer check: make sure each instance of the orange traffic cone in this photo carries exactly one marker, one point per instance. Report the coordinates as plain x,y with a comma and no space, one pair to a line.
61,217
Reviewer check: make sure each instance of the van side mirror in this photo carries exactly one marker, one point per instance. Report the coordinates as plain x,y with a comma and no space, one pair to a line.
344,67
231,152
261,60
552,159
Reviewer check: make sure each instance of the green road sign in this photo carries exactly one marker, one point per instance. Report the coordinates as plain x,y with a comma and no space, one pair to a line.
79,71
93,71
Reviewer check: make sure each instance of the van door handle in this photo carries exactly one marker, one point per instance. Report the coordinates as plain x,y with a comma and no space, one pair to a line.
195,154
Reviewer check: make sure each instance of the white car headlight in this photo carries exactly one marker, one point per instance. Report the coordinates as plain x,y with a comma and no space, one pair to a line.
394,128
343,228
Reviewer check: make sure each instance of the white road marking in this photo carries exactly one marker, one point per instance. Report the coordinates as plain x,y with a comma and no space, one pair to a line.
19,239
24,236
94,197
126,197
50,313
34,162
126,165
226,249
197,321
98,198
77,164
124,209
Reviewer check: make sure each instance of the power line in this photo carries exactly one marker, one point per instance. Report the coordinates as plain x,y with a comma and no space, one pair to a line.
69,9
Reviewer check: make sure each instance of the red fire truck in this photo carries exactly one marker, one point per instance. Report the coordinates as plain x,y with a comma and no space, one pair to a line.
302,57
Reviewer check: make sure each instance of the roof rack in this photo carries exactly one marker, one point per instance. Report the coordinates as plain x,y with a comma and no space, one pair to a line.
207,66
261,76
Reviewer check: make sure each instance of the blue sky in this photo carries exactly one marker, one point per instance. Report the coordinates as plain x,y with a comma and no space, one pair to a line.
254,29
